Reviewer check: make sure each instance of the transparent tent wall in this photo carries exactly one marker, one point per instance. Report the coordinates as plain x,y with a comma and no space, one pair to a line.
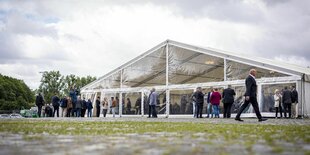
109,98
181,102
239,71
268,91
148,71
186,66
132,105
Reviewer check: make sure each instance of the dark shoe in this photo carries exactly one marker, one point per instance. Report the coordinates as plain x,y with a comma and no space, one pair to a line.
262,119
238,119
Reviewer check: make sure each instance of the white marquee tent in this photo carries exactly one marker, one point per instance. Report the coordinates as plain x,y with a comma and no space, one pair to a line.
175,69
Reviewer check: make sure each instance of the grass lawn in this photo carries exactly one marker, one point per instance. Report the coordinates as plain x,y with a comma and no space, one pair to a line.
249,138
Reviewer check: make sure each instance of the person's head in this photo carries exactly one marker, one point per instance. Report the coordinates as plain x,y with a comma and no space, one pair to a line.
229,86
128,99
285,88
98,97
253,72
105,98
292,87
216,89
153,90
198,88
277,91
112,98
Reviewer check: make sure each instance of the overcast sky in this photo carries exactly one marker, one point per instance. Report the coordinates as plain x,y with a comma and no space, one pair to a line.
94,37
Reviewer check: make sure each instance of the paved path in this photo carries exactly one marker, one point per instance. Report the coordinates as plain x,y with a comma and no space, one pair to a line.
271,121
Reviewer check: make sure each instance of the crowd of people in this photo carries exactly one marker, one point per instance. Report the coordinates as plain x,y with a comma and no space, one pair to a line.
286,101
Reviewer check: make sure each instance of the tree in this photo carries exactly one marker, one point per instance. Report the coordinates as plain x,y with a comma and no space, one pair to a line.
14,94
51,82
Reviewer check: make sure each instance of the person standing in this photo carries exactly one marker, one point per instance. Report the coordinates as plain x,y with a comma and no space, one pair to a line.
39,103
69,106
199,101
73,94
113,106
209,105
63,105
98,106
277,103
84,107
152,103
138,106
89,108
105,107
55,103
78,107
287,102
228,101
294,102
194,105
250,96
128,106
215,100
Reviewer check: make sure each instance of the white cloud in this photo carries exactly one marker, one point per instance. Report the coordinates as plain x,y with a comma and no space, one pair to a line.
92,38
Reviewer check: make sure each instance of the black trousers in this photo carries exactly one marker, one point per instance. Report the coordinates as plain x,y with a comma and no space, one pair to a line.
39,110
152,109
104,111
279,109
253,101
56,108
227,110
83,112
287,108
98,111
199,110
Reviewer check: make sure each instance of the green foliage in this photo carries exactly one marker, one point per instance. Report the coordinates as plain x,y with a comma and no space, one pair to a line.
14,94
53,82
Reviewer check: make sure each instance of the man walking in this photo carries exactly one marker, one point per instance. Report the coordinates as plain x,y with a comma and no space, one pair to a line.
152,103
39,103
294,102
228,100
250,96
287,102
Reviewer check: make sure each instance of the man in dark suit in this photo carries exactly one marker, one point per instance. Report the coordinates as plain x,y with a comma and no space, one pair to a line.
287,101
250,96
294,102
199,101
228,100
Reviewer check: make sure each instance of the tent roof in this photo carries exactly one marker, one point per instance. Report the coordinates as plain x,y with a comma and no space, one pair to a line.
242,58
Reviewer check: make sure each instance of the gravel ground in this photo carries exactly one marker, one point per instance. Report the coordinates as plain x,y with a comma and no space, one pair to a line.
153,143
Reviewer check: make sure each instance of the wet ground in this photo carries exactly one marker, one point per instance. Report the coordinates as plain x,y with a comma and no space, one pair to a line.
151,143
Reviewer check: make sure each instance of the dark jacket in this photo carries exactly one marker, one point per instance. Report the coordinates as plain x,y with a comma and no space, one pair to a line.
39,101
79,104
228,95
198,97
84,105
97,103
55,101
294,96
251,87
287,96
208,98
89,105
